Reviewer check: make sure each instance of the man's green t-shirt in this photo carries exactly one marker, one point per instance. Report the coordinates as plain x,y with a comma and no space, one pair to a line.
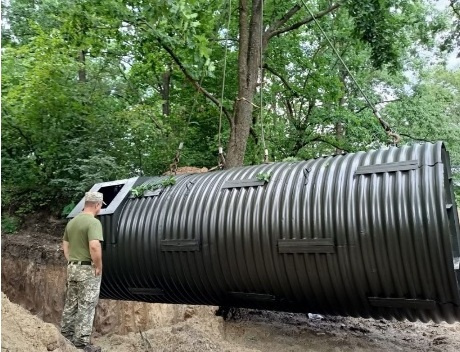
78,232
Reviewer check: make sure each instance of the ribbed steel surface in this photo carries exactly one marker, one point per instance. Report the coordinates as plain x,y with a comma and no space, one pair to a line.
371,234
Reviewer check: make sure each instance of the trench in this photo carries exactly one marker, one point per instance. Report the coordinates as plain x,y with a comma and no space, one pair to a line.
34,274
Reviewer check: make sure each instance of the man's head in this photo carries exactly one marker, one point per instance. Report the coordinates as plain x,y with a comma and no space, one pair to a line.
94,201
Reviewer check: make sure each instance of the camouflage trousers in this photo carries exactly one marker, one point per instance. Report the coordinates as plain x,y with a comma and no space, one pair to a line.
82,295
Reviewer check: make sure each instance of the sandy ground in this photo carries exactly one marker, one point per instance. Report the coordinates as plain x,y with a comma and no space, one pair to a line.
22,331
271,331
250,330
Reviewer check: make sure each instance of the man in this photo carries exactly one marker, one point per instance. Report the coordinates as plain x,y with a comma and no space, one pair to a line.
82,249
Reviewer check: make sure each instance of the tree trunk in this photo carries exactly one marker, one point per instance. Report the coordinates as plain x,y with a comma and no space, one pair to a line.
165,89
82,69
239,132
339,135
339,126
249,63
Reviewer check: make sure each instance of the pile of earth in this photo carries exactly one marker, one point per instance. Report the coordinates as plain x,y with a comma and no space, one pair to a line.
22,331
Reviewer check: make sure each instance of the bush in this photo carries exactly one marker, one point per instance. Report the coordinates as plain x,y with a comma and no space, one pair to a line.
67,209
10,224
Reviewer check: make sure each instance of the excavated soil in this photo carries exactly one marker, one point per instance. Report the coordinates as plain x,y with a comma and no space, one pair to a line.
186,170
22,331
33,277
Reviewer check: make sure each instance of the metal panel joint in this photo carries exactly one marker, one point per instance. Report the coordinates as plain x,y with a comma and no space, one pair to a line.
387,167
314,245
180,246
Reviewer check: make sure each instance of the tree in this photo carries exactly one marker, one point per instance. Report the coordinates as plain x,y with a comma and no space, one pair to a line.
451,37
382,25
97,90
429,111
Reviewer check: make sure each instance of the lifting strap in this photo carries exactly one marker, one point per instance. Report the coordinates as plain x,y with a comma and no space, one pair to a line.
221,163
262,84
173,166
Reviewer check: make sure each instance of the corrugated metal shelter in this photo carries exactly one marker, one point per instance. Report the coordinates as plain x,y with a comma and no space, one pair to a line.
370,234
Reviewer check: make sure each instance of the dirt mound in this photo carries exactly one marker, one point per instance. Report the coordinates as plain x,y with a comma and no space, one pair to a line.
21,331
201,331
186,170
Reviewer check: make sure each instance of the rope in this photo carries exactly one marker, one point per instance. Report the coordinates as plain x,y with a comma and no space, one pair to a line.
221,153
396,138
249,102
262,82
195,100
173,166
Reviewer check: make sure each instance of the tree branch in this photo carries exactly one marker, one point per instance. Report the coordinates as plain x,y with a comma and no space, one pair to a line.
290,111
312,59
303,22
193,81
415,138
379,102
286,17
319,138
454,9
286,84
189,77
331,143
29,142
253,133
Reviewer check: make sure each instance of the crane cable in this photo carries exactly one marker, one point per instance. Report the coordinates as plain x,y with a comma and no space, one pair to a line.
221,150
388,130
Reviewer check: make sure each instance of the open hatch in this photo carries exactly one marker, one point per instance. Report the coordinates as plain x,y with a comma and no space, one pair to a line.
115,192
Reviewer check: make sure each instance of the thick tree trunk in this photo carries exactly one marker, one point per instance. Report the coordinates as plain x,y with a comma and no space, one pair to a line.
239,133
249,64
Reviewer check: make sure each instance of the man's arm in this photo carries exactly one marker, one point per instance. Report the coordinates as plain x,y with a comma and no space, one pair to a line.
95,250
65,248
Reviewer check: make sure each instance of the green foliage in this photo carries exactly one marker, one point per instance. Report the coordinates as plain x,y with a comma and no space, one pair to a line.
429,111
67,209
264,176
169,181
451,37
80,175
139,191
61,135
382,25
70,121
52,125
10,224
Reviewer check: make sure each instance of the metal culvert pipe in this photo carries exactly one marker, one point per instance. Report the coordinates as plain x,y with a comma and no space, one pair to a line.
370,234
